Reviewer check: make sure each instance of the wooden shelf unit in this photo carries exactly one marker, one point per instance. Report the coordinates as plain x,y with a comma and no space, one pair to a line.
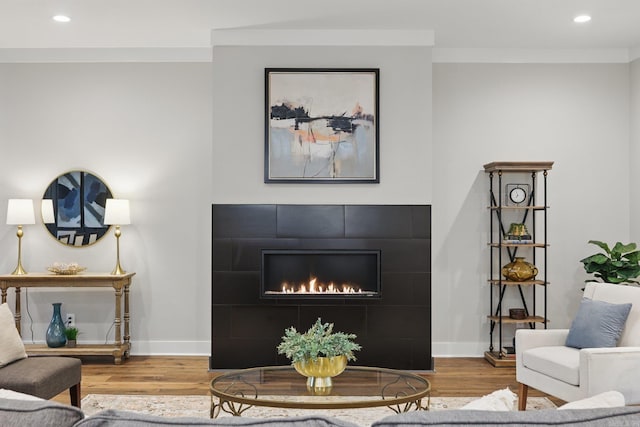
528,319
502,252
519,208
500,282
121,346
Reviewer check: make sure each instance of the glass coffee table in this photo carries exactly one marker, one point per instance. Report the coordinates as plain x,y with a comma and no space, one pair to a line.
283,387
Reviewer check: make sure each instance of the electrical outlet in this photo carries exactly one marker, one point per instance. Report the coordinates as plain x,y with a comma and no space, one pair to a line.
70,320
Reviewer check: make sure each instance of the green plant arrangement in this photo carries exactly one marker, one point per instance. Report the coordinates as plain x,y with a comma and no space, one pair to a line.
620,264
71,333
318,341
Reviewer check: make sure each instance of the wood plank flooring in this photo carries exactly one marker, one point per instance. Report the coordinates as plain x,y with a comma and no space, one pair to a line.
190,376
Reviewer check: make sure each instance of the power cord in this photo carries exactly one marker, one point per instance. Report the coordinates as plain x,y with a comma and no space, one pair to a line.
26,302
106,338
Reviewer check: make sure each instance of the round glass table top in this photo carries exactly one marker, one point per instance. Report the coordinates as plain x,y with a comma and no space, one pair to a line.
283,387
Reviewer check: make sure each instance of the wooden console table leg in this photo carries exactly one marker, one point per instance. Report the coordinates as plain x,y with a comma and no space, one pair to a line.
117,358
18,315
3,288
127,336
118,323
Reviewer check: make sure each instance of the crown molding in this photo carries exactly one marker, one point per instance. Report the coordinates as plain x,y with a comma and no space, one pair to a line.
205,53
46,55
251,37
526,56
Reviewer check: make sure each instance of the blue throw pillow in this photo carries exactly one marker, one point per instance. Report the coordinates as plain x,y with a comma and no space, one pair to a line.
597,324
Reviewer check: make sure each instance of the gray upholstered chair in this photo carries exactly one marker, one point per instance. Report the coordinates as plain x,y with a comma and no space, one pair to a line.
44,376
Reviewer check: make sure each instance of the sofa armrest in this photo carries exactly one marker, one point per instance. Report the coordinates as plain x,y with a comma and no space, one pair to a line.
22,412
614,368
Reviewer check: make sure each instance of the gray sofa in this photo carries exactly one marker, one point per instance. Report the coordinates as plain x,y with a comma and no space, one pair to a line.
43,413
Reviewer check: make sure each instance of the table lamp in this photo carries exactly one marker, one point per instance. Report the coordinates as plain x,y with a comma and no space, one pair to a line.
116,213
20,212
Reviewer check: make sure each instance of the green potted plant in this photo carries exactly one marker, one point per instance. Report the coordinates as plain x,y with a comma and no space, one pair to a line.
319,353
72,335
620,264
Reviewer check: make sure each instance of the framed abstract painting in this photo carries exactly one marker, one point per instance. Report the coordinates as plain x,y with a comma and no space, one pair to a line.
321,125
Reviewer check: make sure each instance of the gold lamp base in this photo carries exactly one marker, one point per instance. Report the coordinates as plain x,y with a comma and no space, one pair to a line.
19,270
118,269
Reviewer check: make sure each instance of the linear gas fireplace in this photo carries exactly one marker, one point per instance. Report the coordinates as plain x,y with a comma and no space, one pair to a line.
320,274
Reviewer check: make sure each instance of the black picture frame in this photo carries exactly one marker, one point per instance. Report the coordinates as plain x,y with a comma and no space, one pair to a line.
322,125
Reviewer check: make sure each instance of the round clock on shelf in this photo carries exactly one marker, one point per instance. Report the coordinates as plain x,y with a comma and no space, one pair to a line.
516,194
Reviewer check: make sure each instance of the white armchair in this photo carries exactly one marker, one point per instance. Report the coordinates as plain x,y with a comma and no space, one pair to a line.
546,364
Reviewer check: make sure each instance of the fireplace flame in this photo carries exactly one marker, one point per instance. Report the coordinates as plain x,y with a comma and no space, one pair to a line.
314,287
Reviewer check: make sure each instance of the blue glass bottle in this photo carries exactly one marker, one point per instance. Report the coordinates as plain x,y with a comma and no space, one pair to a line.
55,331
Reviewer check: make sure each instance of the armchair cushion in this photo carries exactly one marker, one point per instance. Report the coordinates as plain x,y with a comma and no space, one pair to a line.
597,324
11,346
560,362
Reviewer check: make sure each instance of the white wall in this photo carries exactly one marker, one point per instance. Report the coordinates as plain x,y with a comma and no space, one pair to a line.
575,115
146,130
405,124
175,138
634,157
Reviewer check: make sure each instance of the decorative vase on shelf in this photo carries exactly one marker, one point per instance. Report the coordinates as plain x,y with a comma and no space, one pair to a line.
519,270
55,332
518,232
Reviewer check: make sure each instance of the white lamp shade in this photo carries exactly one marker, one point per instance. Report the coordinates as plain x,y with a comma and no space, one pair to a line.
117,212
47,211
20,212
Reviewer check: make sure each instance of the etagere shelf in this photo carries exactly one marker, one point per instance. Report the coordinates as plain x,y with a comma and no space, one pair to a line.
531,211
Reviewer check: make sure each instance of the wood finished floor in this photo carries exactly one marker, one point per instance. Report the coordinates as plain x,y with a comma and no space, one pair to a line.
190,376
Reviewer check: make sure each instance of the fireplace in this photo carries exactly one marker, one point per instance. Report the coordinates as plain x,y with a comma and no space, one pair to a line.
391,316
320,273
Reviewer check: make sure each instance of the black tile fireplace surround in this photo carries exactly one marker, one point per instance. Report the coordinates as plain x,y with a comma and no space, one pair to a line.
394,327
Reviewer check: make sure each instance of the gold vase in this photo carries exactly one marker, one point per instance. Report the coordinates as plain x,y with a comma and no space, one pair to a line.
517,229
320,371
519,270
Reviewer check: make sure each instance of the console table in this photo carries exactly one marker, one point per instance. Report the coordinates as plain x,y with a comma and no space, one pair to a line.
121,346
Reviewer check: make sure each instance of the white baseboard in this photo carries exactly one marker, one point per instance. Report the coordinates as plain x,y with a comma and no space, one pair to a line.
459,349
171,348
203,348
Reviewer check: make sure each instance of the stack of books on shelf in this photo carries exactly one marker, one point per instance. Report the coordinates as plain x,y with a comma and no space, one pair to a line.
524,238
508,352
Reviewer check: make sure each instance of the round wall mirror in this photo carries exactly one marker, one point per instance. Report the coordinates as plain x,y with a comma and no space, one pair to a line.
73,208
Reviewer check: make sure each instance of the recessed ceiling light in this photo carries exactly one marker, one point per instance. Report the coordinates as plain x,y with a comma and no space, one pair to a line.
581,19
61,18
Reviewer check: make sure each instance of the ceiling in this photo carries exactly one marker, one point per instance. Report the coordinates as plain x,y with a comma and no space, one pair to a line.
495,24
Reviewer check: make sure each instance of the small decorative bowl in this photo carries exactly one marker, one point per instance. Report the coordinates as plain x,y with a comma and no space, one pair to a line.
69,269
320,371
517,313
